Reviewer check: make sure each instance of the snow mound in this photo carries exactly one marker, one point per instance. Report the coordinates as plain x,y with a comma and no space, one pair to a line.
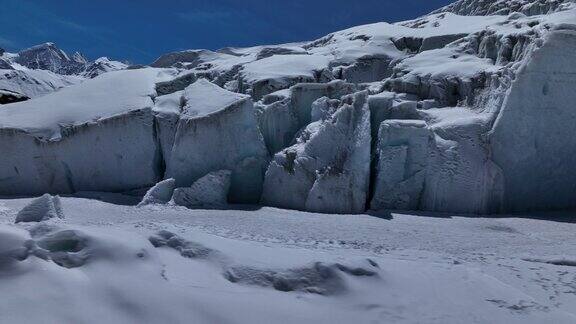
161,193
41,209
187,249
210,191
66,248
319,278
12,247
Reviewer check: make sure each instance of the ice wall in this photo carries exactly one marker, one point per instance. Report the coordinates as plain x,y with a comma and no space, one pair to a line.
112,154
218,131
532,140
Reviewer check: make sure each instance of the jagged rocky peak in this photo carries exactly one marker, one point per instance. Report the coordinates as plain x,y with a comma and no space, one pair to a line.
79,57
505,7
48,56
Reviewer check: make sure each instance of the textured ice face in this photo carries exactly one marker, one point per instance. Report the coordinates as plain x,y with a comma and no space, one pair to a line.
328,169
218,131
531,140
160,193
210,191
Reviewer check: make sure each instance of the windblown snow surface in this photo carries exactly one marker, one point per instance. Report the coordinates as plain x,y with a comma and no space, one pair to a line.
108,263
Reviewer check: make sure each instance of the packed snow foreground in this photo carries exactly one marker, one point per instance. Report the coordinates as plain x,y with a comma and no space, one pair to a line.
467,110
95,262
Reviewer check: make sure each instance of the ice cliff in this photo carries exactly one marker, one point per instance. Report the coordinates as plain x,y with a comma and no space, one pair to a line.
468,109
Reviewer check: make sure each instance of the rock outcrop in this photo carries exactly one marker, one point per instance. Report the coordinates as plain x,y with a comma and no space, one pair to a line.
49,57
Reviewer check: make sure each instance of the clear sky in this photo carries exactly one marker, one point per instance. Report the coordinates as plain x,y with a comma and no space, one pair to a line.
141,30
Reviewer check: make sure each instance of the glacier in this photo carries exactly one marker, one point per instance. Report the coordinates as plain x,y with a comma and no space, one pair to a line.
466,109
355,178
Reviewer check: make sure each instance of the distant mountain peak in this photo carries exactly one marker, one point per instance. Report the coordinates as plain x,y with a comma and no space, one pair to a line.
48,56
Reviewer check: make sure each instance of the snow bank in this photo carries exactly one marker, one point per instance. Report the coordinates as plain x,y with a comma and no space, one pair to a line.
12,247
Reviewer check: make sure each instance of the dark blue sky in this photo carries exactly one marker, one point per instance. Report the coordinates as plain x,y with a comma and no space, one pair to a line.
141,30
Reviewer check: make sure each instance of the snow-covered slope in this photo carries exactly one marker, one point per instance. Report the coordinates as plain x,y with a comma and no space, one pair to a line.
101,66
453,102
34,83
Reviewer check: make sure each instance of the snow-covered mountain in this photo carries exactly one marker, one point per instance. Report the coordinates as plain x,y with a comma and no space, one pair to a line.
441,113
45,68
49,57
102,65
